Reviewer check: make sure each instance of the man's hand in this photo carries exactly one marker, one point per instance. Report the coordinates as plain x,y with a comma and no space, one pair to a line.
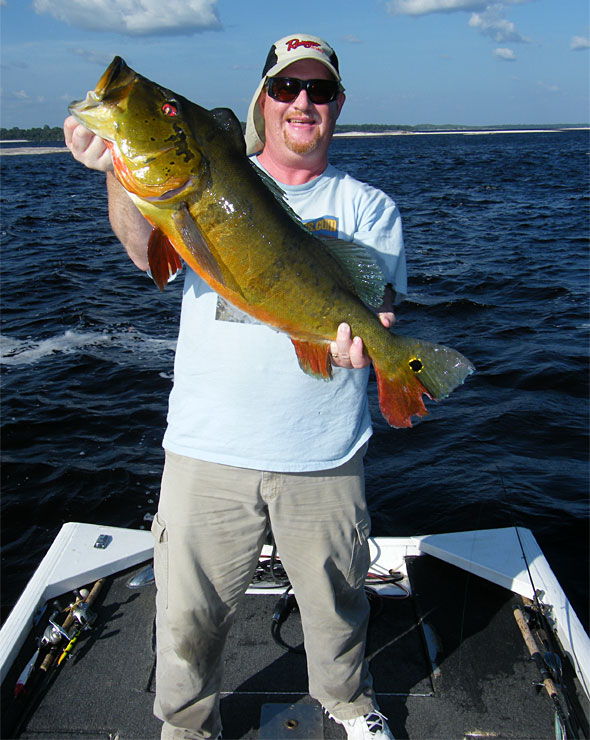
86,147
349,352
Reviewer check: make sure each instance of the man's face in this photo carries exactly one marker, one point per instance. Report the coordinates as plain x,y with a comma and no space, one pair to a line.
300,127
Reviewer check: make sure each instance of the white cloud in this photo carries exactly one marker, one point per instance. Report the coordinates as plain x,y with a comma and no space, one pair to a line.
135,17
578,43
21,95
548,86
492,23
487,16
506,55
14,64
424,7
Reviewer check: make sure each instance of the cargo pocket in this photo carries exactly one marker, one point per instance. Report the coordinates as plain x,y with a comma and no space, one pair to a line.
360,557
160,535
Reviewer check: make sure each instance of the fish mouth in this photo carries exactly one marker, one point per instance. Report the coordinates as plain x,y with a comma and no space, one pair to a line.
111,77
112,88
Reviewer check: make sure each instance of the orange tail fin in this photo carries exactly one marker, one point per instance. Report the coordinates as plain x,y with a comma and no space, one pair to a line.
414,369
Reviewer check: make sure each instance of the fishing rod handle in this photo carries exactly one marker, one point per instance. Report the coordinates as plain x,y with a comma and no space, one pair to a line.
68,622
534,651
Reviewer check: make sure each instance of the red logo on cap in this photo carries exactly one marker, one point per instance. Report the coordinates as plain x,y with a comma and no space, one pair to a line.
296,43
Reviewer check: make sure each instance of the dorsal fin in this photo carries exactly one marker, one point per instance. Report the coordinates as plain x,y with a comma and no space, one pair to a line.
367,279
226,119
278,192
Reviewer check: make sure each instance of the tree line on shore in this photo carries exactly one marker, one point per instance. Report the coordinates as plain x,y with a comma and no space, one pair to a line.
40,133
54,134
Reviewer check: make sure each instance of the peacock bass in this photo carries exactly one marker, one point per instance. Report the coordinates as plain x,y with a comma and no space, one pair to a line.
186,170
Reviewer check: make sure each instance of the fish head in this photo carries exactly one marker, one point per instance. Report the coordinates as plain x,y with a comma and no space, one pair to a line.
148,128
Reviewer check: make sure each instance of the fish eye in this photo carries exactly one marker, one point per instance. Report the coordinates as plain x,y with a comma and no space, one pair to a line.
169,109
416,365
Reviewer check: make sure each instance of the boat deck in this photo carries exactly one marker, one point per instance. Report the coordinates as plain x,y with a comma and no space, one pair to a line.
448,662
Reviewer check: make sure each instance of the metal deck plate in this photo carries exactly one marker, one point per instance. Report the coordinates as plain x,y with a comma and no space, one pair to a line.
278,721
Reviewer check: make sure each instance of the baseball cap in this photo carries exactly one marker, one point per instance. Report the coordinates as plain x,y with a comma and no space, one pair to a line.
284,52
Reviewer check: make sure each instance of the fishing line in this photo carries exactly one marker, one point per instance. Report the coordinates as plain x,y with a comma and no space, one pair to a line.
539,607
524,557
466,592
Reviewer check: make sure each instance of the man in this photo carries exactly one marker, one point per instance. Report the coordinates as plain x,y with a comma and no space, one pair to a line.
252,440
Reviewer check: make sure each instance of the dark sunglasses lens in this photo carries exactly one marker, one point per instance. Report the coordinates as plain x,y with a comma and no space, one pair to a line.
284,89
322,91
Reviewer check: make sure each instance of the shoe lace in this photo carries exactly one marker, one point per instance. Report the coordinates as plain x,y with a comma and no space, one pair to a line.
375,722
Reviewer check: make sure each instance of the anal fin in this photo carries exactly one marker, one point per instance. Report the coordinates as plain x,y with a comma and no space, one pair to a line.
163,259
314,358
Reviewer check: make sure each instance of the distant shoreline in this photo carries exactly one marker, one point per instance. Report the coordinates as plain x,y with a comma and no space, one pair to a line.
22,150
474,132
14,151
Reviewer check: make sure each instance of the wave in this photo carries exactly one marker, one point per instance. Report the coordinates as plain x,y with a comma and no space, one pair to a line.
20,352
496,236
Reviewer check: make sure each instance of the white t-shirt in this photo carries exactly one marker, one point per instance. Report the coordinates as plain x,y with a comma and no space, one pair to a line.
239,396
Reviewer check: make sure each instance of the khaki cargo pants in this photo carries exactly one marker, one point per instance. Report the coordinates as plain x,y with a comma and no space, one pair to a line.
210,527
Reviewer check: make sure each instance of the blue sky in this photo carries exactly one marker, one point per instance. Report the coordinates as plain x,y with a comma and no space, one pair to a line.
469,62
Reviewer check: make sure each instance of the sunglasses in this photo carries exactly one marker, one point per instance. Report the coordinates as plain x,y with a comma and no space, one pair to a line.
287,89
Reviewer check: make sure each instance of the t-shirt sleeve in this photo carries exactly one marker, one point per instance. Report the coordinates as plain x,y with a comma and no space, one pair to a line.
379,228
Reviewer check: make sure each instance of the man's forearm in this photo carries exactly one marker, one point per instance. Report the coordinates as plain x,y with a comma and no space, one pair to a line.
129,226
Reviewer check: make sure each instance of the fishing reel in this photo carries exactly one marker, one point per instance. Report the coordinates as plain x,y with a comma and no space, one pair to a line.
84,615
54,632
79,612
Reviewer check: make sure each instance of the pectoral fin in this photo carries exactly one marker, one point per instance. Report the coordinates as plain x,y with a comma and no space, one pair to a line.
163,259
314,358
197,246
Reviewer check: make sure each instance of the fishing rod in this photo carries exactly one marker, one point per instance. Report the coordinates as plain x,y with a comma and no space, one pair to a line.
548,663
85,618
55,646
78,612
563,726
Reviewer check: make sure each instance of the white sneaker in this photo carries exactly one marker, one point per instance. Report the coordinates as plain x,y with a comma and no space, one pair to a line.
370,726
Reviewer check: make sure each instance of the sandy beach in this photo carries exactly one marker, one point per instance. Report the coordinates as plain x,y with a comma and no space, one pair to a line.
466,133
32,150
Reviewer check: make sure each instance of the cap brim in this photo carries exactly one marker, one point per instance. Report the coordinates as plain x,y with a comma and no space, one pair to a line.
255,124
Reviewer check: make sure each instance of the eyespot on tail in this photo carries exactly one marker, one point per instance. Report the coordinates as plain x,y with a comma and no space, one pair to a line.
426,369
440,369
